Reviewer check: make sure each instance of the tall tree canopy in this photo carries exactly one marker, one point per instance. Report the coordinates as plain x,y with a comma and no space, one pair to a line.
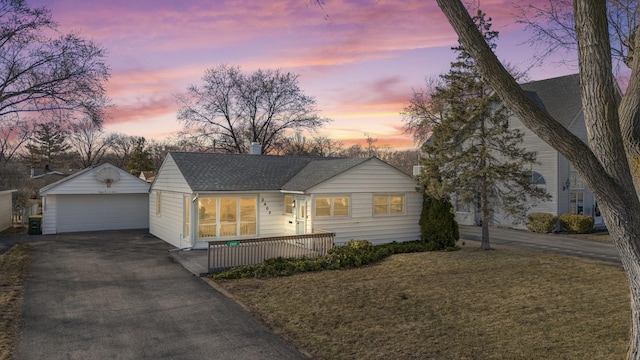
613,126
473,154
234,109
42,70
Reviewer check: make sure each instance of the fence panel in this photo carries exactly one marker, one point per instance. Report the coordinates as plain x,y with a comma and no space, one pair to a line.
223,254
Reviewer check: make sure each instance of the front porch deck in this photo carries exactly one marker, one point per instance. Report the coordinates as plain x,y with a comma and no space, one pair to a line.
221,255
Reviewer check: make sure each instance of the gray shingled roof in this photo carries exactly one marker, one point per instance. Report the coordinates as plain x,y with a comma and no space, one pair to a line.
559,96
244,172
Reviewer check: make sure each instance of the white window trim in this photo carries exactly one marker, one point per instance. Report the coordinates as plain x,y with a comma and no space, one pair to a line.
331,206
238,217
389,213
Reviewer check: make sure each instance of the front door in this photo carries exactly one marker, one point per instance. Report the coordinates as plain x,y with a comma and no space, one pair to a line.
301,215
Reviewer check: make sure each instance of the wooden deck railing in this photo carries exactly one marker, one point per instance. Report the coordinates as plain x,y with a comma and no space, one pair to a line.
225,254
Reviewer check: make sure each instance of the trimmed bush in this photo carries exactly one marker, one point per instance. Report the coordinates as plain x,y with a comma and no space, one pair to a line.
360,244
541,222
437,223
576,223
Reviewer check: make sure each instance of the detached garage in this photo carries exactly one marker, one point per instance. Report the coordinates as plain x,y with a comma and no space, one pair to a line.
102,197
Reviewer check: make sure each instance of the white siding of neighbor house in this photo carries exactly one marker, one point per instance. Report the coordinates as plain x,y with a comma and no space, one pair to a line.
83,203
168,224
547,167
170,178
555,169
361,183
6,207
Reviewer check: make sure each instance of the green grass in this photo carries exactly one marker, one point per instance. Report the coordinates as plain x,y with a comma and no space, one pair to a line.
14,268
468,304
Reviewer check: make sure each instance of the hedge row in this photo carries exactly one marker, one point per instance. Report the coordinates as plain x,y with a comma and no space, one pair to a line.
571,223
355,254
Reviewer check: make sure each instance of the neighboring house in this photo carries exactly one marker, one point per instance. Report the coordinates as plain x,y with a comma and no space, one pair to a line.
6,209
101,197
203,196
148,176
40,178
560,97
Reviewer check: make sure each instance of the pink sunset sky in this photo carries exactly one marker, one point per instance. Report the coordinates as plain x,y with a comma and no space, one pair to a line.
360,59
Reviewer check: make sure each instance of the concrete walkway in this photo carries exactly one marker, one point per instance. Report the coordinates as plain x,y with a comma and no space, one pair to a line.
553,243
117,295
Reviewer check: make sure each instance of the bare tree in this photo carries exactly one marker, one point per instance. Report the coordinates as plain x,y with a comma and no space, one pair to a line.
39,73
324,146
122,147
553,26
158,151
14,133
403,160
88,142
613,127
423,111
235,109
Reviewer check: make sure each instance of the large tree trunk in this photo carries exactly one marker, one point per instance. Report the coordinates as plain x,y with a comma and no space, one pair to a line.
612,129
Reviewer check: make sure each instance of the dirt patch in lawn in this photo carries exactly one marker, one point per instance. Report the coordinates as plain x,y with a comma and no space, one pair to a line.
14,268
469,304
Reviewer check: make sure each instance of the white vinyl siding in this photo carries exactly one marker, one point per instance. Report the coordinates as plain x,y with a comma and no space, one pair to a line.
83,203
6,206
170,178
359,185
49,214
378,230
169,224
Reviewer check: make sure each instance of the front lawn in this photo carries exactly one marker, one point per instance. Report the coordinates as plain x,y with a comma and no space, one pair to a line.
467,304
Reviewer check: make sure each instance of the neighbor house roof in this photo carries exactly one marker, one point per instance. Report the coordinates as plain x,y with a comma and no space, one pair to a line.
245,172
559,96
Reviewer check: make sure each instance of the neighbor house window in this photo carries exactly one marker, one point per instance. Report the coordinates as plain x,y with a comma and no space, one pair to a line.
227,216
461,206
576,202
388,204
288,204
537,179
158,202
332,206
575,181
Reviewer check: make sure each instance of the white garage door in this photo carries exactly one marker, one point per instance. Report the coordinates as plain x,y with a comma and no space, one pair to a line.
102,212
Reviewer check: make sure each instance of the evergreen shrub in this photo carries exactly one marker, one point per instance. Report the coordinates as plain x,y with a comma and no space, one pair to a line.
541,222
437,223
576,223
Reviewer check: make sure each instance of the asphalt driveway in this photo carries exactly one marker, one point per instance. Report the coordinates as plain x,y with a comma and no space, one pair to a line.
117,295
